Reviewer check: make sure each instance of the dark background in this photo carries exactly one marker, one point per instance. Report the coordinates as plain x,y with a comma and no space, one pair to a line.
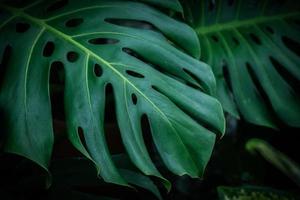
230,165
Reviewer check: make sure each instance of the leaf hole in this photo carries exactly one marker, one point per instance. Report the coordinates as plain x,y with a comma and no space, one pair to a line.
235,40
112,130
134,74
197,87
57,74
6,55
134,54
192,85
48,49
215,38
156,67
98,70
102,41
256,81
56,90
155,88
72,56
269,29
57,5
80,133
291,44
261,92
74,22
131,23
193,76
130,52
255,39
22,27
288,77
148,140
226,74
134,98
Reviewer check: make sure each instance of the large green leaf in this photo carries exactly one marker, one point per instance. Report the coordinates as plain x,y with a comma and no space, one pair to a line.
253,47
128,46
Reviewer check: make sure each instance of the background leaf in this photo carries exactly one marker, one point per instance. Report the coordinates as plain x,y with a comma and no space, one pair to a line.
276,158
253,48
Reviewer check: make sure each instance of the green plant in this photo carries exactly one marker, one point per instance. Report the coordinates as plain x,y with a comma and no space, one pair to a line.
126,46
253,48
275,157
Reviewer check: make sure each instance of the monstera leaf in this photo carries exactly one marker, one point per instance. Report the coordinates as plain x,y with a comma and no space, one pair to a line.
253,48
129,47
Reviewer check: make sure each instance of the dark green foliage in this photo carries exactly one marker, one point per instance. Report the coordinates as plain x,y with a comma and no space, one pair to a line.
96,51
253,48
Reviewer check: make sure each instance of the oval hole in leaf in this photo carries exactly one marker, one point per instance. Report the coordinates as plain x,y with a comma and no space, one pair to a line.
288,77
56,90
148,140
235,40
291,44
74,22
131,23
269,29
134,98
193,76
215,38
261,92
98,70
57,5
22,27
135,54
72,56
193,86
111,127
134,74
102,41
255,39
226,75
82,138
258,86
57,74
48,49
130,52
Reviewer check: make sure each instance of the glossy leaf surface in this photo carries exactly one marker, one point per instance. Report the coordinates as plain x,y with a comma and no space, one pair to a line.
127,49
253,48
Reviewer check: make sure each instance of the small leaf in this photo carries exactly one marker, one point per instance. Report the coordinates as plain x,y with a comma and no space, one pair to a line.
276,158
